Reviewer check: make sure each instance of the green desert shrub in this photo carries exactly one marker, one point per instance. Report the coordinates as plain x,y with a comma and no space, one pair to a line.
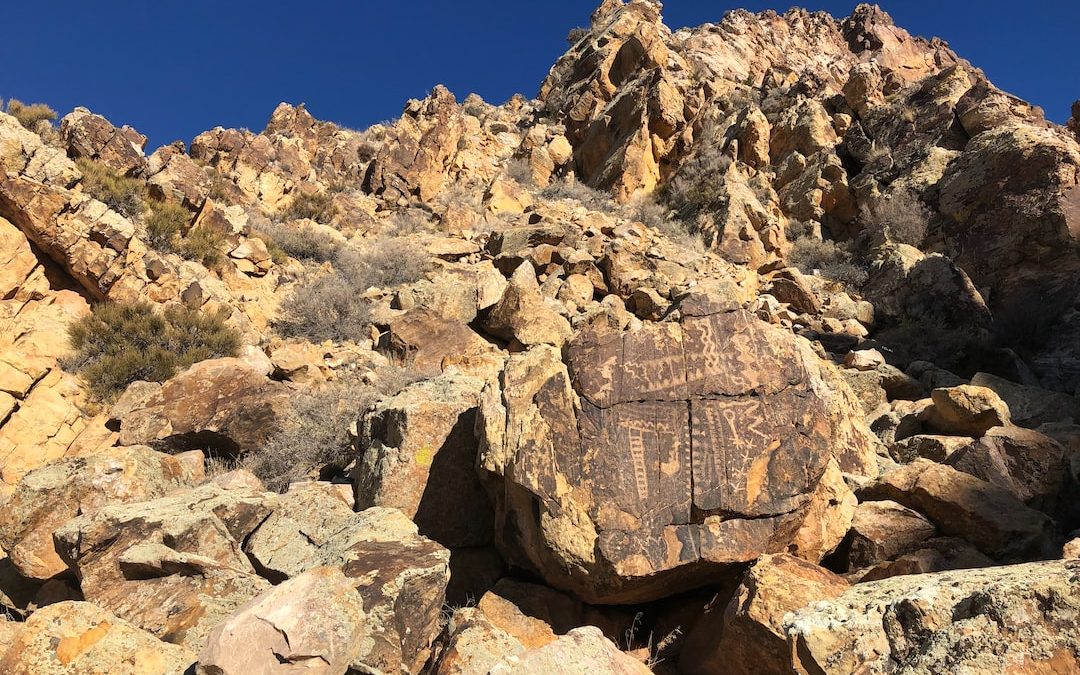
166,223
317,206
121,343
30,114
123,194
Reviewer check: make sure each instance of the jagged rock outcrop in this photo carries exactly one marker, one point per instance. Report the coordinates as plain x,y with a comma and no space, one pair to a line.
94,137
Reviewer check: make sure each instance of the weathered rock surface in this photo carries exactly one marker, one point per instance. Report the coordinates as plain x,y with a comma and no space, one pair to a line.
48,497
960,505
313,623
74,638
172,566
980,621
94,137
418,455
225,405
882,531
624,518
747,636
582,651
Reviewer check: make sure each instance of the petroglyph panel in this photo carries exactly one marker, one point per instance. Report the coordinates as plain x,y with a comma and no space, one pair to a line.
735,354
638,458
610,367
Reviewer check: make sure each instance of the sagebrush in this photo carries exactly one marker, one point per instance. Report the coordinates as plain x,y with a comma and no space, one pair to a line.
901,217
121,343
316,439
30,115
315,206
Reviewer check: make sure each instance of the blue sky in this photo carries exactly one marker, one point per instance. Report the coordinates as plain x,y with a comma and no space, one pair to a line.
175,68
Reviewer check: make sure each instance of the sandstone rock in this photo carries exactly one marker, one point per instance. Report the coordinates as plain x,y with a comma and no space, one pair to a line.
400,576
882,531
431,344
961,505
71,638
936,448
967,410
939,554
221,404
23,152
629,527
582,651
173,565
990,620
1027,463
313,622
747,636
94,137
523,315
866,359
418,454
17,261
171,174
48,497
474,645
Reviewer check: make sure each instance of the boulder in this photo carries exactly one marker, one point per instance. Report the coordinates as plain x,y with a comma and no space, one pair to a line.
747,636
966,410
961,505
652,458
400,576
1027,463
417,454
1030,406
312,623
882,531
430,344
173,565
225,405
939,554
474,644
928,446
48,497
992,620
76,638
524,316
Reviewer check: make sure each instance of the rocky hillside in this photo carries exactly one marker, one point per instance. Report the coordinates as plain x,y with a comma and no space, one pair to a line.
746,348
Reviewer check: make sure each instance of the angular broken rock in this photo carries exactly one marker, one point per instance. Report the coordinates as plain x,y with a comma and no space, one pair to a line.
94,137
48,497
883,530
747,636
418,454
225,404
964,506
653,456
474,644
400,576
313,623
72,638
523,315
1027,463
173,565
582,651
1017,619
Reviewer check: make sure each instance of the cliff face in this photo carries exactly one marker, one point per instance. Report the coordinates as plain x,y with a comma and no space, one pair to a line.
721,332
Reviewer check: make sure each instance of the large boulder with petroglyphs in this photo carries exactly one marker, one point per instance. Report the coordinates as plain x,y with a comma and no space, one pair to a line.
648,461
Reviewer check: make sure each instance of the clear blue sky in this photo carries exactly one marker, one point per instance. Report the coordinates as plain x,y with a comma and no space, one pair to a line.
173,68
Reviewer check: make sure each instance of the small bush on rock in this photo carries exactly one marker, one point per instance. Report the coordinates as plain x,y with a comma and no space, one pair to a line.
698,186
331,305
902,218
121,343
123,194
316,439
832,259
30,115
590,198
318,207
301,242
